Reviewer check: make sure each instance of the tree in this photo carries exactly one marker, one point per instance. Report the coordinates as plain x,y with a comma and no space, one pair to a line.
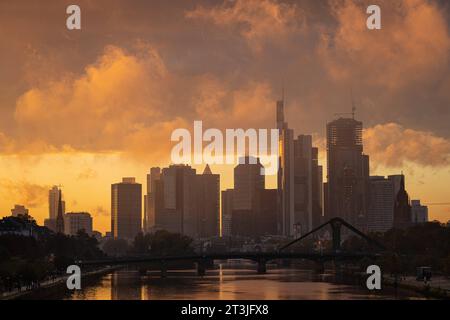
115,247
162,243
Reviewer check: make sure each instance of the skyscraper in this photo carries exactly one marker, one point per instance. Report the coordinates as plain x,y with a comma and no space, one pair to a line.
249,209
265,217
175,200
317,190
383,193
53,202
397,181
299,200
186,202
303,218
380,216
285,179
227,212
402,208
60,215
126,209
348,172
207,197
77,221
419,212
149,199
248,181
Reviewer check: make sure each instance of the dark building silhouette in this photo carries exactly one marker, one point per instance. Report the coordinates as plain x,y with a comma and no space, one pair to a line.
50,224
249,210
382,195
248,181
266,212
207,199
75,222
54,198
60,216
402,208
177,211
419,212
186,202
53,202
19,210
285,179
149,199
126,209
227,212
317,190
242,223
299,200
348,173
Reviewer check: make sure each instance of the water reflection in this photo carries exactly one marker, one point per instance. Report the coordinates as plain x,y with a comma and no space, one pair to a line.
225,283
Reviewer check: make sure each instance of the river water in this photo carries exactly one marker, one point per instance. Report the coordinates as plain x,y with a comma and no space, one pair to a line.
223,283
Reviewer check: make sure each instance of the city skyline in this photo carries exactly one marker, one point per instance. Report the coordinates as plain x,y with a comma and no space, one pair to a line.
55,192
83,109
148,211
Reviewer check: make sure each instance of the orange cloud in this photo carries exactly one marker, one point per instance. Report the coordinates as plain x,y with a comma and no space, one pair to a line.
6,143
251,106
25,193
87,173
256,20
117,104
392,145
128,101
412,46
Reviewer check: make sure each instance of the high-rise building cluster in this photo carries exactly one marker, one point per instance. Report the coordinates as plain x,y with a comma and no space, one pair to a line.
69,223
370,203
180,200
300,181
249,209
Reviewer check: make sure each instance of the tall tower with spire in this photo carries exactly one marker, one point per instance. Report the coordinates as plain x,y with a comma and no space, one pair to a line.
60,217
402,207
285,179
299,181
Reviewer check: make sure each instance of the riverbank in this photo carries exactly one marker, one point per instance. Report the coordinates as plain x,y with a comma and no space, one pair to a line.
438,288
54,283
110,283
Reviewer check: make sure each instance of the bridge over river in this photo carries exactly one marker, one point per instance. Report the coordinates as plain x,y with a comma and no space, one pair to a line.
261,258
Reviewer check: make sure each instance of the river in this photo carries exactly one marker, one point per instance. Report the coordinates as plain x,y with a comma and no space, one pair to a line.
225,282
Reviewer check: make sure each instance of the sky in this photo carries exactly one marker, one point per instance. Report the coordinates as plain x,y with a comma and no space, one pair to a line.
84,108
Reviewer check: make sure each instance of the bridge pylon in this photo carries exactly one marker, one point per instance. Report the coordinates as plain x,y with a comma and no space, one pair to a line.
262,267
336,226
336,235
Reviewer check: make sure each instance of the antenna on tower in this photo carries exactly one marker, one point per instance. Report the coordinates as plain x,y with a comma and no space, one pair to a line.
353,104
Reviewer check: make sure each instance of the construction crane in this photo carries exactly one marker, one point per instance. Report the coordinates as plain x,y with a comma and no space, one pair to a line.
347,113
353,108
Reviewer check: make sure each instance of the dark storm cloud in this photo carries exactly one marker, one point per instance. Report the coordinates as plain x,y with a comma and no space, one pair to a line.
164,63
